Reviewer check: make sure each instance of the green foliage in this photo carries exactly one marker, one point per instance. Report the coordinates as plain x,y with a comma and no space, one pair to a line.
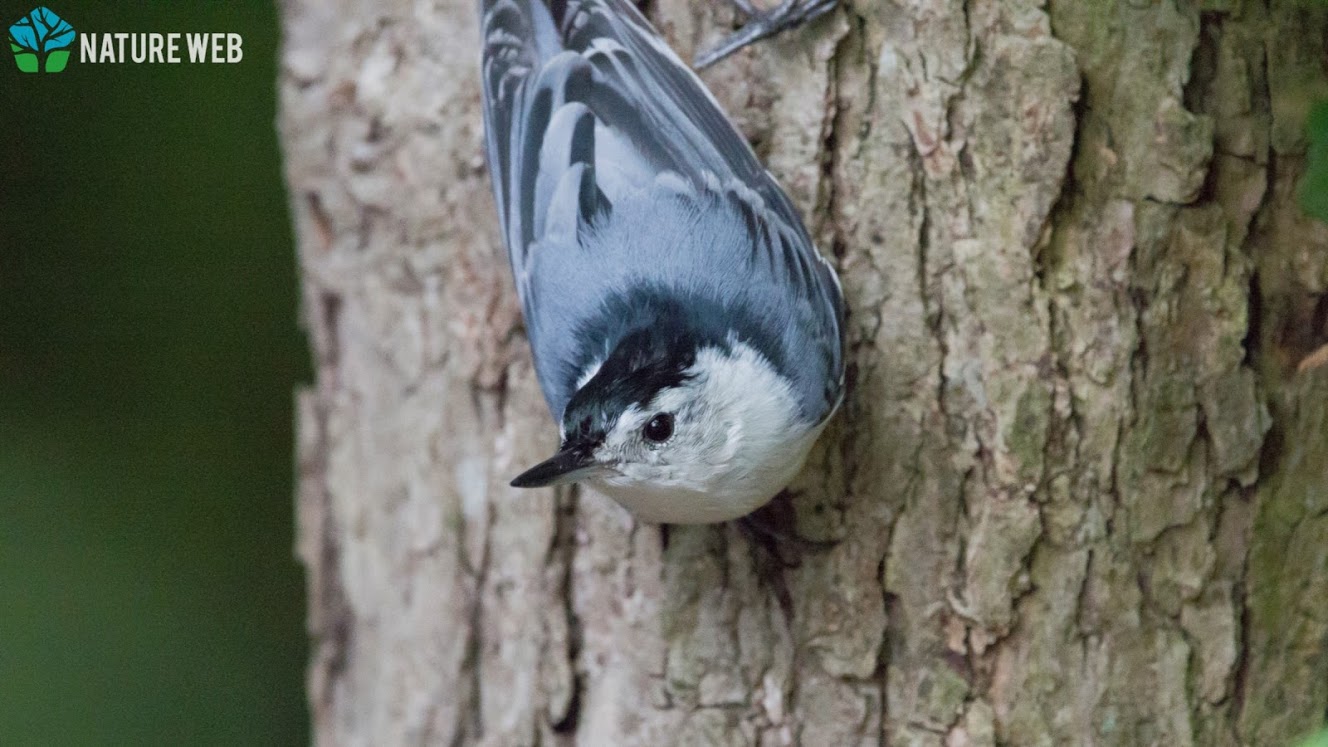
1314,185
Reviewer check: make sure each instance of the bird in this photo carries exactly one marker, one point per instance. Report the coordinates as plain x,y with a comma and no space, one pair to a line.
686,333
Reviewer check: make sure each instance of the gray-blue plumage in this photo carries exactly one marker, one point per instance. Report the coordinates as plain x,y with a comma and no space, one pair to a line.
629,203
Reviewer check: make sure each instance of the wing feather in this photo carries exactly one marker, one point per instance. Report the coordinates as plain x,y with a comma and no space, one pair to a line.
586,107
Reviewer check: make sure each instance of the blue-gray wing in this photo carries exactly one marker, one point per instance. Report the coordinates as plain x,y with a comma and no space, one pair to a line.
587,108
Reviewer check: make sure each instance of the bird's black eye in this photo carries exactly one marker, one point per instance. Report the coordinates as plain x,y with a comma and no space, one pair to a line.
659,428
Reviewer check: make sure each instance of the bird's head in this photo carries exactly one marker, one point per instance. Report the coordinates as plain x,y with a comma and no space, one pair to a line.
680,430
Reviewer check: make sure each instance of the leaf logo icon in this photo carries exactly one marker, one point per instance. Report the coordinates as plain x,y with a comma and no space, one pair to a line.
40,41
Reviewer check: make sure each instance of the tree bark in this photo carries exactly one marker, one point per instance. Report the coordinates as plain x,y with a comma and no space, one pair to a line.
1078,492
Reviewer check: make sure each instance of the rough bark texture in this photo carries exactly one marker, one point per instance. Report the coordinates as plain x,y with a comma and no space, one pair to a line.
1078,492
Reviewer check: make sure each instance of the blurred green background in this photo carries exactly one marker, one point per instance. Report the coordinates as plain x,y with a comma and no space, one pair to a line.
148,354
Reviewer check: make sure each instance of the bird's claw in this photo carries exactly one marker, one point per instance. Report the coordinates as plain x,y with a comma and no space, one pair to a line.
764,24
771,527
776,546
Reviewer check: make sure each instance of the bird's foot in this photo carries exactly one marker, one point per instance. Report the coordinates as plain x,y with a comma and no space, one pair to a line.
764,24
771,527
776,546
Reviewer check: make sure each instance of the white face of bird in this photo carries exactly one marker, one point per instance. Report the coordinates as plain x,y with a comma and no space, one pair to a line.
717,442
713,448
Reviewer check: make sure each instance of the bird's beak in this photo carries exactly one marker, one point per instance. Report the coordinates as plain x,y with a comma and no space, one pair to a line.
571,464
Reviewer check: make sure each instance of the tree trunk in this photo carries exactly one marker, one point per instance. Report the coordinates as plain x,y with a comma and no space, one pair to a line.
1078,492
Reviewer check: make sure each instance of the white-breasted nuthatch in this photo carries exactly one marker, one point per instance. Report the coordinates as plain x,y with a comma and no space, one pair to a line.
686,332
